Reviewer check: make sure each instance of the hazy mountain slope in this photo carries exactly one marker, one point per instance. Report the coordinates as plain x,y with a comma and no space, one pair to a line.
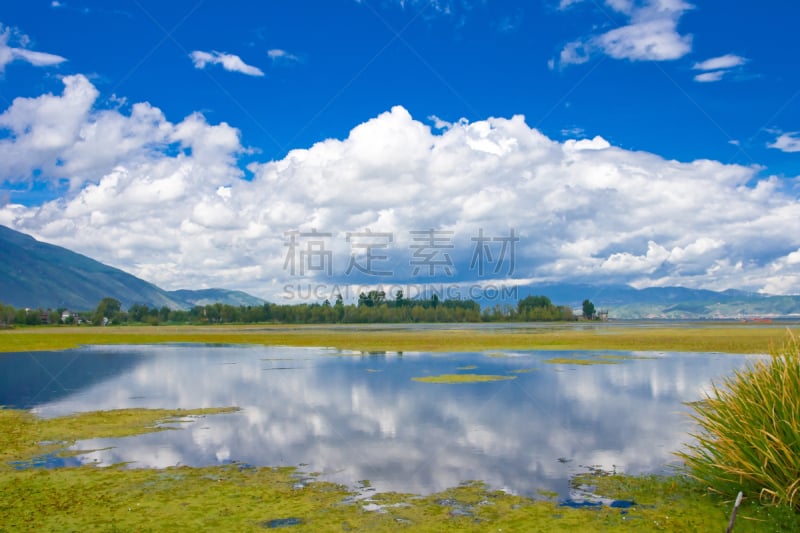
36,274
211,296
623,301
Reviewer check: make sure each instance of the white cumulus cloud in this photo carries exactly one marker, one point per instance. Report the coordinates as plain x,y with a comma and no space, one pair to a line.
9,53
710,77
229,62
787,142
649,40
564,4
280,55
721,62
717,67
173,206
650,34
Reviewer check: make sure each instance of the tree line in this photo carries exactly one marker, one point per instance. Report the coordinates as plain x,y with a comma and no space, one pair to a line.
372,307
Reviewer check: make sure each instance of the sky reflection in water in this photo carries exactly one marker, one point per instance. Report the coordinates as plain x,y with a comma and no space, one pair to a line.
360,417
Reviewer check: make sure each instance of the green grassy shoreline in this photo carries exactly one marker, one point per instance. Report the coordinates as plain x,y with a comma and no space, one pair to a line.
234,497
730,338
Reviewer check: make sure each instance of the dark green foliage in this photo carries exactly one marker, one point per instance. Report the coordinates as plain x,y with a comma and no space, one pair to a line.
7,314
372,298
532,302
372,307
588,310
540,309
107,311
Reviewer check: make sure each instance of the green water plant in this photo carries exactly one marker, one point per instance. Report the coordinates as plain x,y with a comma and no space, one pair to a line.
749,431
461,378
580,361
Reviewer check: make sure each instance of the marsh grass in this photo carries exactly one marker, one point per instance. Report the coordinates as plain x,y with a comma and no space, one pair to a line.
749,436
728,338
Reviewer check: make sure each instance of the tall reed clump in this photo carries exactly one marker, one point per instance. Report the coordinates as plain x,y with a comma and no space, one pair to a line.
749,436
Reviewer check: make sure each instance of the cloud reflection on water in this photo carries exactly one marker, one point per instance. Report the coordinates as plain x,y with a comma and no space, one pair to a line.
339,417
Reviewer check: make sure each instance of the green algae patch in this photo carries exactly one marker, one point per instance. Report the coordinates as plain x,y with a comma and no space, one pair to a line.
583,362
679,503
655,504
238,497
549,494
602,359
521,370
231,498
461,378
24,435
227,498
620,357
468,367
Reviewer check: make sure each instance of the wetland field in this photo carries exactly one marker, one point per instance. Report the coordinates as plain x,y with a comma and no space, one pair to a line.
340,428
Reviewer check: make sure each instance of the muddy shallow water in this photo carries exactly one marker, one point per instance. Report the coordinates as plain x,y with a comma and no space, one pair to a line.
354,417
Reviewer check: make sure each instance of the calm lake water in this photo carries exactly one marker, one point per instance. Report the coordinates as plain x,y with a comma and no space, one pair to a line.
355,417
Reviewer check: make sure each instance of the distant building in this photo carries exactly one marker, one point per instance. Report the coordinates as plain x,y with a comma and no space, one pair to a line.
70,317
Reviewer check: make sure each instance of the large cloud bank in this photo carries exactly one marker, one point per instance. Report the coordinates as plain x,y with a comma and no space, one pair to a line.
169,202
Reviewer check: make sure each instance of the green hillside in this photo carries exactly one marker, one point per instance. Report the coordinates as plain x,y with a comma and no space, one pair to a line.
36,274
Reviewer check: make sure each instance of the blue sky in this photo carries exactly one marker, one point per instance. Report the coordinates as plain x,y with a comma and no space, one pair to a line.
657,107
347,61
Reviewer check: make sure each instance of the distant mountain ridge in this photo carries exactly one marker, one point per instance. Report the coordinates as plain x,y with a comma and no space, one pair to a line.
212,296
36,274
626,302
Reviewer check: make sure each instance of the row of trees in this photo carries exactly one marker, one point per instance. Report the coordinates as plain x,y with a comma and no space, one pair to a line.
31,317
372,307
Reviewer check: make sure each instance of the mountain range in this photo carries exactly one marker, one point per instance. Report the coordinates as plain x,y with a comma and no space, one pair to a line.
626,302
36,274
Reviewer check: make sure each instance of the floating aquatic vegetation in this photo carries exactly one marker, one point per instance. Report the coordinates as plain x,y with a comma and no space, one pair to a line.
461,378
577,361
